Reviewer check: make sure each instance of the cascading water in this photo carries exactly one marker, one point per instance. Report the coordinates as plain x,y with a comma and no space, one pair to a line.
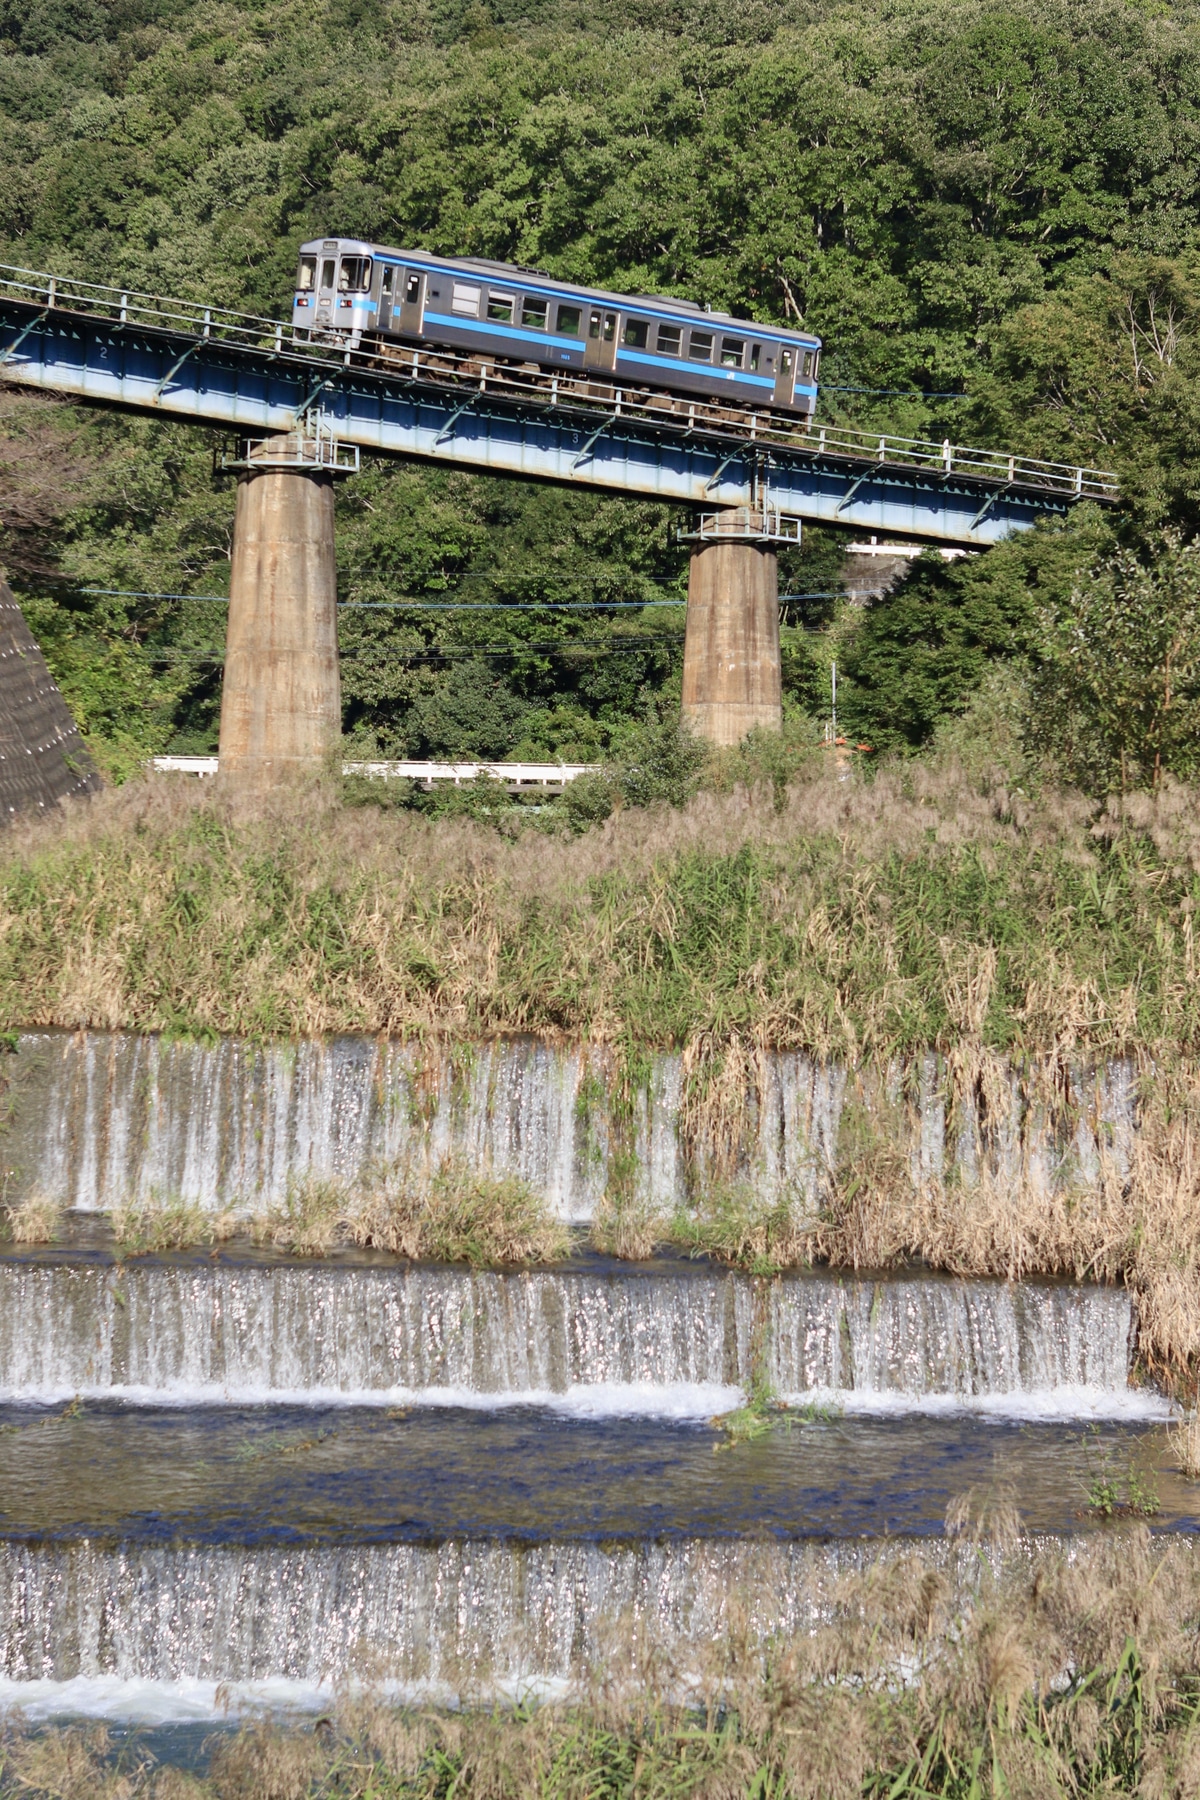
464,1615
100,1119
246,1537
681,1340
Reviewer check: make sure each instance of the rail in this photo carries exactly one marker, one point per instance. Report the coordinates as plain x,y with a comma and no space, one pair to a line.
127,307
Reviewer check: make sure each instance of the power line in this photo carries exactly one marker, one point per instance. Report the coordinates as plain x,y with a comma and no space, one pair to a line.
448,652
500,605
897,393
416,605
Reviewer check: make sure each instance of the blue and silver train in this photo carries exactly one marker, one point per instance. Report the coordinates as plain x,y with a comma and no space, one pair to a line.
351,292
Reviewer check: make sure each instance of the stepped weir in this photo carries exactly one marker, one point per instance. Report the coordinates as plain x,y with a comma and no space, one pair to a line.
99,1118
230,1475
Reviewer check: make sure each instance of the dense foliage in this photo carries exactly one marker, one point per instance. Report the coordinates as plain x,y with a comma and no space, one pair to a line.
989,214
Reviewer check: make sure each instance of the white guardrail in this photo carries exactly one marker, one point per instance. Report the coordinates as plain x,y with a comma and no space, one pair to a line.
517,777
441,368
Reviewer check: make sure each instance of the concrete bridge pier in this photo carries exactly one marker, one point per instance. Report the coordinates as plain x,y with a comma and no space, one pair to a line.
281,702
731,675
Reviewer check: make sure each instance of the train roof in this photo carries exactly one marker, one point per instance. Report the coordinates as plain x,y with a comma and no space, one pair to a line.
514,271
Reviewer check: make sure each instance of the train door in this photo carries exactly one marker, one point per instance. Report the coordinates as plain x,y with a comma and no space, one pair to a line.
385,278
600,351
326,284
785,378
412,285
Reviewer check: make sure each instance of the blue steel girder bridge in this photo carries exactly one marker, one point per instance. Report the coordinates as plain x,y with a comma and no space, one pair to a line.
307,411
255,377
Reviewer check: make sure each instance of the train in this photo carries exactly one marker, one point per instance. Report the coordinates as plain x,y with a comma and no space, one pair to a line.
359,294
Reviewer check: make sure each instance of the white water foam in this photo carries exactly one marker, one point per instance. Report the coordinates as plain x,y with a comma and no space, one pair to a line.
596,1400
1065,1405
146,1702
638,1341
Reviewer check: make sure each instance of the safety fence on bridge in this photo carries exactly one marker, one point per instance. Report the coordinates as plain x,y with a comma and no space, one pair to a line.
441,369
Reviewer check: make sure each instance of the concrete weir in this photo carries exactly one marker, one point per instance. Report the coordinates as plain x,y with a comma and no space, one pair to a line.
731,671
281,704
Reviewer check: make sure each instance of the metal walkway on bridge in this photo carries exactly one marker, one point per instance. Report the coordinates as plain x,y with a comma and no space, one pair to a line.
236,371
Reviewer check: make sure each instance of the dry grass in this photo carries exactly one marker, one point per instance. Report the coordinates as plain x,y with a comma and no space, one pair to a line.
308,1222
1184,1442
1010,1671
851,919
157,1224
628,1228
1139,1223
450,1213
460,1214
36,1220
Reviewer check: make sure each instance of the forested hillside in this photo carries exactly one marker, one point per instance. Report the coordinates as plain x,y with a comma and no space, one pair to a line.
989,214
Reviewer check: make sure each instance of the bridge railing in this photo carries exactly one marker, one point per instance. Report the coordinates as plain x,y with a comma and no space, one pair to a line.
126,306
561,391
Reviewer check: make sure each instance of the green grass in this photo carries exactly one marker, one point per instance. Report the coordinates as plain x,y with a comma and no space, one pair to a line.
856,918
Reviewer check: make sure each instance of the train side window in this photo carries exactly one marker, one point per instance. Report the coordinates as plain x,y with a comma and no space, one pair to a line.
389,280
670,340
755,355
465,298
308,274
732,352
636,333
594,325
806,366
700,346
568,320
412,290
533,314
610,327
816,363
354,276
500,306
327,268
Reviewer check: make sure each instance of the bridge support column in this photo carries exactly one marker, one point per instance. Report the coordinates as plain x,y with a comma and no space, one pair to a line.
731,678
281,703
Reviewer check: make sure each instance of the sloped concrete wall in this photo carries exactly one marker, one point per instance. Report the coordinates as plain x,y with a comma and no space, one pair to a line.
42,756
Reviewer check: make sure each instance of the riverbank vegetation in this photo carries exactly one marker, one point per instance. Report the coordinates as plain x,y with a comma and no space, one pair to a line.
847,918
1022,937
1041,1672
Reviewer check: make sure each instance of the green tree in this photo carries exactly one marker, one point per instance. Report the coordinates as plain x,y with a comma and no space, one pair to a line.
922,650
1116,692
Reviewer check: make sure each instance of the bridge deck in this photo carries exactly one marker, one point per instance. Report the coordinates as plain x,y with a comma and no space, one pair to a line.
235,371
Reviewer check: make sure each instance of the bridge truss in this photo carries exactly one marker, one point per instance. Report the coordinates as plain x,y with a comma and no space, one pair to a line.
256,377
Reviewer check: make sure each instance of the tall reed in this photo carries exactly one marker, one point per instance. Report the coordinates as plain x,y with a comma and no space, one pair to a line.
846,920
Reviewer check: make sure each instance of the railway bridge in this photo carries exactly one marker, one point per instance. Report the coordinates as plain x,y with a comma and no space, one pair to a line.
305,413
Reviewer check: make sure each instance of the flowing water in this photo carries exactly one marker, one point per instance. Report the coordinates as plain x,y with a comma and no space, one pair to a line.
240,1473
465,1613
255,1478
659,1337
97,1118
